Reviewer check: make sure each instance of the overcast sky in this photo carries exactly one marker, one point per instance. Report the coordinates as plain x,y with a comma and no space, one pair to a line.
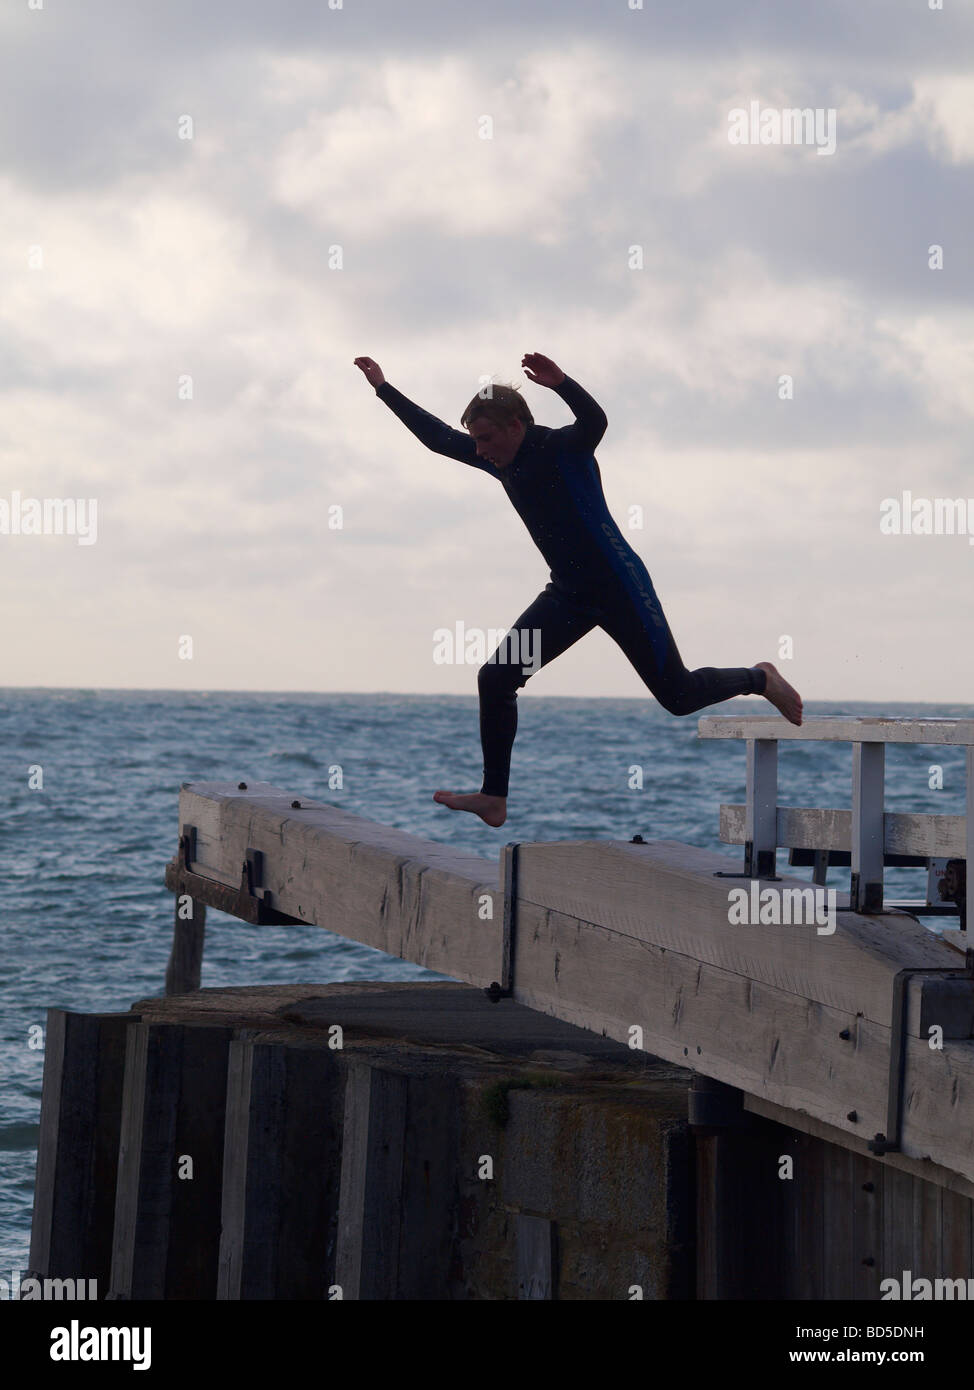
137,263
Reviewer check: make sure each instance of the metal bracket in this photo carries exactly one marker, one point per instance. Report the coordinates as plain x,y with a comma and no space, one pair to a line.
890,1141
765,862
251,902
504,988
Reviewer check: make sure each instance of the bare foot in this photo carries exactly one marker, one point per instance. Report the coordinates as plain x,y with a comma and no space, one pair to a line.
783,696
492,809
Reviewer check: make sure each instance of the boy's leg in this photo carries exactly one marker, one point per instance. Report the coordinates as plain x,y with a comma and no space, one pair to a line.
544,630
641,630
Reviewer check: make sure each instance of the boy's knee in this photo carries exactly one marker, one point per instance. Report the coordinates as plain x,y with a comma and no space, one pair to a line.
681,703
500,678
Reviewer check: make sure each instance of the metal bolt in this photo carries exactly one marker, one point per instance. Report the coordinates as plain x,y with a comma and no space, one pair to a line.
637,840
845,1033
241,786
853,1116
295,805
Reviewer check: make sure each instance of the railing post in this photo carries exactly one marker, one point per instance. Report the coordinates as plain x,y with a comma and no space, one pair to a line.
868,797
761,824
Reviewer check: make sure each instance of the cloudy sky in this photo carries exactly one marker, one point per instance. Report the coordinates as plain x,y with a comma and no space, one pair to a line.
209,210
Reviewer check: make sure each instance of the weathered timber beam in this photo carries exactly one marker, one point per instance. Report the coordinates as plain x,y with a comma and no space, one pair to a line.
402,894
807,827
840,729
667,894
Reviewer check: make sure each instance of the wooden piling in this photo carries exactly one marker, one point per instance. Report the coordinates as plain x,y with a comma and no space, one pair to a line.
170,1167
77,1152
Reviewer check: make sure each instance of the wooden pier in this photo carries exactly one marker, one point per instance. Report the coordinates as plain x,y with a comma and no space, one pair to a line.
727,1047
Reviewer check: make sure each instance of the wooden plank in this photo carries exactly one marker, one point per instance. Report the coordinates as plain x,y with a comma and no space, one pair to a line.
367,1256
812,1179
788,1229
167,1225
77,1150
281,1163
868,1177
897,1224
666,894
809,827
928,1260
955,1237
236,1167
535,1244
839,728
838,1199
406,896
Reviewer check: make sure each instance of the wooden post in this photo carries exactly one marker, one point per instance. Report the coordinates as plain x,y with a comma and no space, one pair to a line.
397,1207
868,829
170,1162
77,1150
281,1170
185,966
762,807
367,1257
535,1239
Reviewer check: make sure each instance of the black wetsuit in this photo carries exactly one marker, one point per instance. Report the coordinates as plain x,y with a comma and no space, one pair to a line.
597,579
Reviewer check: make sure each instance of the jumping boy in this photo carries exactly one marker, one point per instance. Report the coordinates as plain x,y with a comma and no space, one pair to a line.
597,579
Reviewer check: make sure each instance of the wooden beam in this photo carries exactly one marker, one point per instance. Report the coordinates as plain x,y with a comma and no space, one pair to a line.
666,894
415,898
808,827
839,728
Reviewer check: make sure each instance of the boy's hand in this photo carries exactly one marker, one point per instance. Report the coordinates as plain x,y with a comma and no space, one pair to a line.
370,370
542,370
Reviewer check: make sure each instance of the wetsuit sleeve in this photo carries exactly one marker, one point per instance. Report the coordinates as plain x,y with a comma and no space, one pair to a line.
434,433
591,422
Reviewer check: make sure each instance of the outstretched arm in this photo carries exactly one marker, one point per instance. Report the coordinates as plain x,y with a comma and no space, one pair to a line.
590,419
434,433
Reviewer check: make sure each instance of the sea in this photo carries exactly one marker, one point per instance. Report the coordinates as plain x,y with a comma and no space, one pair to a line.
89,788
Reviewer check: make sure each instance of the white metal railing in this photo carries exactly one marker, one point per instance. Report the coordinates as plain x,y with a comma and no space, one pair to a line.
873,836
